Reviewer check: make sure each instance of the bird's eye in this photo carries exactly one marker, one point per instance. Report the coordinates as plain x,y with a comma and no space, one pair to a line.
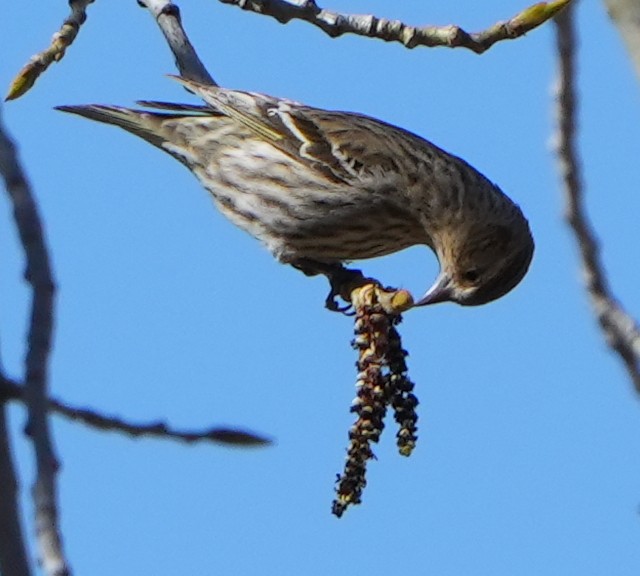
471,275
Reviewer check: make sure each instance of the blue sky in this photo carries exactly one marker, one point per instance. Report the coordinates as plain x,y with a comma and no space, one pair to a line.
527,461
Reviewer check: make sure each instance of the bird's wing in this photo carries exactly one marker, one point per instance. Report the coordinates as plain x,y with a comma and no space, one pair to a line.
343,146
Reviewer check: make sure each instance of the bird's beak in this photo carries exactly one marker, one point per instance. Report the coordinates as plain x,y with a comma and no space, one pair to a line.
439,292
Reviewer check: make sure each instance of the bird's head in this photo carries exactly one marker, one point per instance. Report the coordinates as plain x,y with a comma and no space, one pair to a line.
481,263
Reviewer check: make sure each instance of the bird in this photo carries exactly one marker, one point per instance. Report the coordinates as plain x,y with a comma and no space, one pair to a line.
323,188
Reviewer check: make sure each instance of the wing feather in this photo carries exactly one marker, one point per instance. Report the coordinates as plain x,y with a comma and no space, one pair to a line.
329,142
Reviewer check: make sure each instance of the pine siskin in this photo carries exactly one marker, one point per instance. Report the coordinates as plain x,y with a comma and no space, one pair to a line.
320,188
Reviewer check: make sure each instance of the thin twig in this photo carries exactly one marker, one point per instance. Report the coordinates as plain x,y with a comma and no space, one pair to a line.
39,275
61,40
619,328
167,15
335,24
11,390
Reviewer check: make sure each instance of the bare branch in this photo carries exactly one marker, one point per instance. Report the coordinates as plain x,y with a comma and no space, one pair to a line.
335,24
620,330
626,16
13,555
167,15
221,435
39,275
161,430
61,40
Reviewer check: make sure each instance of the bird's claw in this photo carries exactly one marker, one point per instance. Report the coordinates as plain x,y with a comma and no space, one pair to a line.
342,280
331,304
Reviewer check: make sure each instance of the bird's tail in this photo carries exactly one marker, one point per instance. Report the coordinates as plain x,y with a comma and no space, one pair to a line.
146,125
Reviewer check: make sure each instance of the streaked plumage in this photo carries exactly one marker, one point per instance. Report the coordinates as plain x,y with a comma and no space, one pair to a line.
320,188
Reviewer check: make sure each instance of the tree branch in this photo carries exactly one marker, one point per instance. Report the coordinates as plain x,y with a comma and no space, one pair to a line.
13,555
619,328
335,24
11,390
61,40
167,15
39,275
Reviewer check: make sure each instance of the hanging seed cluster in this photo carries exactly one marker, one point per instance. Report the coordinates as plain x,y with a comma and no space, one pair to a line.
382,382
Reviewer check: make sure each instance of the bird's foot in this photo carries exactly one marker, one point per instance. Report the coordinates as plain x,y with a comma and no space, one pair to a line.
342,280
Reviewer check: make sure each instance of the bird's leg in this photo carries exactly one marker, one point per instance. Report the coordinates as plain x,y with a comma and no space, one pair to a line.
341,279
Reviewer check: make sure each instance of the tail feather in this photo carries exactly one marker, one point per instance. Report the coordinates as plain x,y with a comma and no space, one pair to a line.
198,108
146,125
